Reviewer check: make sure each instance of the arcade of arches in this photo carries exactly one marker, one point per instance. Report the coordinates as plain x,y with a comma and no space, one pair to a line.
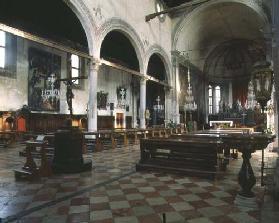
118,73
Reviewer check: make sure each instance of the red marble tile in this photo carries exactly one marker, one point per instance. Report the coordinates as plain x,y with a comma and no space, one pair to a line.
130,190
98,193
151,194
99,206
190,214
117,198
255,214
173,199
163,187
182,191
163,208
199,204
188,185
103,221
63,210
152,218
135,203
229,200
122,212
228,209
80,201
76,218
211,188
222,219
67,189
205,195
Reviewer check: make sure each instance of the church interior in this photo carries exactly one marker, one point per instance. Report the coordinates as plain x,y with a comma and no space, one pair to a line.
139,111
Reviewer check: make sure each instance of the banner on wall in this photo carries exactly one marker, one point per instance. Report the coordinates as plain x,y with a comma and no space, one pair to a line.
43,87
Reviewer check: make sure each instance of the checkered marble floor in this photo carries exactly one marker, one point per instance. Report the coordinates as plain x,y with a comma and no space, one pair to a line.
114,192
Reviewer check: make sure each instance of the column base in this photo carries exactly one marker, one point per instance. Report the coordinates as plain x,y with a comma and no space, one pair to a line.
246,202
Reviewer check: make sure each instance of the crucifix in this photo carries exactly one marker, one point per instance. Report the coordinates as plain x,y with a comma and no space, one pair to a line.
69,82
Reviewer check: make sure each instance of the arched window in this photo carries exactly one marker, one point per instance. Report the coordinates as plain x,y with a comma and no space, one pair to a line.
210,100
75,64
217,98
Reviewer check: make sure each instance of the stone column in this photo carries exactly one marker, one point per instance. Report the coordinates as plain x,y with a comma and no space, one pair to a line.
92,103
176,84
142,103
230,94
275,58
213,100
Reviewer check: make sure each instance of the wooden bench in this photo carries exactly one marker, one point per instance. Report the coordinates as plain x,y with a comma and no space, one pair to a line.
30,170
7,138
193,157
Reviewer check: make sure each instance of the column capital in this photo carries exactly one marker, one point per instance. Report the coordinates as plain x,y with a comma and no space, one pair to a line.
143,80
95,64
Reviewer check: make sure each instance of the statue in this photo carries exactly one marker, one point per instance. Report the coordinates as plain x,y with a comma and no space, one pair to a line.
69,95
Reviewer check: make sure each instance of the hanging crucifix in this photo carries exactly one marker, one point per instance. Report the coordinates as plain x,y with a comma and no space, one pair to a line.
69,82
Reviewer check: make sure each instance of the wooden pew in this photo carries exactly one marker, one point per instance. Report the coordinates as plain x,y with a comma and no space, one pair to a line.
193,157
30,170
7,138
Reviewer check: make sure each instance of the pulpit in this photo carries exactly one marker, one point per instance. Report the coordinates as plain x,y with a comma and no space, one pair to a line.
68,143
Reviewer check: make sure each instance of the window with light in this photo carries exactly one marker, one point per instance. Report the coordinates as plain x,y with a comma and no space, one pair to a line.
217,98
75,64
210,100
2,49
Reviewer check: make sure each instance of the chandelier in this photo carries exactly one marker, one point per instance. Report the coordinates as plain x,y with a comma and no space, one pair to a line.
190,104
262,77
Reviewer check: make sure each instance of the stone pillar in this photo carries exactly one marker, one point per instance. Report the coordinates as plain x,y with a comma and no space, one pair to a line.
142,103
213,100
230,94
275,58
176,84
92,103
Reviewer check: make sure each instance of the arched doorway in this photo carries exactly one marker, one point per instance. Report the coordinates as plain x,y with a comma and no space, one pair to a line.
155,92
119,89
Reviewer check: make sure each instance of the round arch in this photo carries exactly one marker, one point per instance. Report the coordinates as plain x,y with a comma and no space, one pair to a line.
158,50
185,21
126,29
87,22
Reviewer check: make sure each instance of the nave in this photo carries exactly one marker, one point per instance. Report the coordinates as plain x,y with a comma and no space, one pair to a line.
114,192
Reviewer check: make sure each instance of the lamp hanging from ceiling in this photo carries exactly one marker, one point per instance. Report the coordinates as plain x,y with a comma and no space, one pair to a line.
262,77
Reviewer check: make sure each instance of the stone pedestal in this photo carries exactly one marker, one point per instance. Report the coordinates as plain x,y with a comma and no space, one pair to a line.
68,158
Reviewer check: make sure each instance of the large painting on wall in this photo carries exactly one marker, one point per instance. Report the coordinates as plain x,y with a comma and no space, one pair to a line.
43,87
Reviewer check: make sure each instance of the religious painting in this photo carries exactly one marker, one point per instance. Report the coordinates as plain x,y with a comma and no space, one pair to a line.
102,99
43,86
121,97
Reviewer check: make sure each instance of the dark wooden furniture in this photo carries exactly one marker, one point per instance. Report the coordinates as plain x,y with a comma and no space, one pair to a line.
68,146
179,155
30,170
243,141
7,138
105,122
47,122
